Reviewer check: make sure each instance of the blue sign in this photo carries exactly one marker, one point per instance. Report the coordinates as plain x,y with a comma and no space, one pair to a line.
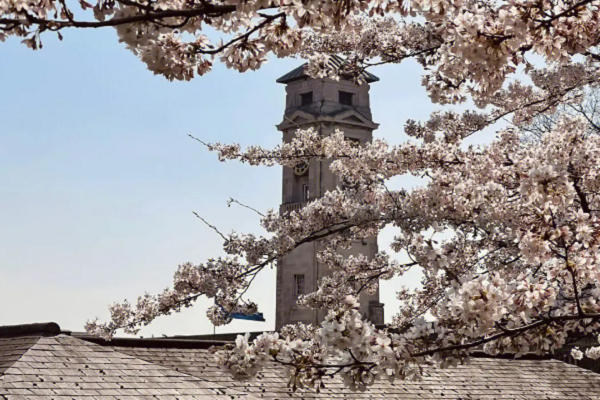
252,317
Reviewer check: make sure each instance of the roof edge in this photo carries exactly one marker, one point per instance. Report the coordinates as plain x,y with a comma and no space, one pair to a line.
285,80
38,329
513,356
152,343
226,337
203,342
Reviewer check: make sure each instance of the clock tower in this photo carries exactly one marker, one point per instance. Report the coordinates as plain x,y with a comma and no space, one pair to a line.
325,105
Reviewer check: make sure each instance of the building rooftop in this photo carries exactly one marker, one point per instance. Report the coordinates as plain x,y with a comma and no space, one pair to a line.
41,362
334,61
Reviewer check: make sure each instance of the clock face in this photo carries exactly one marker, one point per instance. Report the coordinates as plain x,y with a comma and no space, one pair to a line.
301,168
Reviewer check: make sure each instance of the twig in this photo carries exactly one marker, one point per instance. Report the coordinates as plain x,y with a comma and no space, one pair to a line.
214,228
232,200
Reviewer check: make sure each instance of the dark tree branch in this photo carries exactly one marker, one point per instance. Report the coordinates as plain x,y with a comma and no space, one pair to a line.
206,10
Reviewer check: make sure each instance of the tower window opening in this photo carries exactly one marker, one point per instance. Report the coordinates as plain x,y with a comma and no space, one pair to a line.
306,99
305,192
346,98
299,285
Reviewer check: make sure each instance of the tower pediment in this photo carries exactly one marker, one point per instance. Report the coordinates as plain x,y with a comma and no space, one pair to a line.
300,119
353,117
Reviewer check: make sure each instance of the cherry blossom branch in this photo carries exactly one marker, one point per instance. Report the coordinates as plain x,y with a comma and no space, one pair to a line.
206,10
267,20
567,12
445,349
509,332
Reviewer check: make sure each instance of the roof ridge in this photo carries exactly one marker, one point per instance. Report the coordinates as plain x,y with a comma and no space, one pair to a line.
38,329
152,342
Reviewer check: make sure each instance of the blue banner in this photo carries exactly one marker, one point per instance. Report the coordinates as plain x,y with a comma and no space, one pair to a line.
253,317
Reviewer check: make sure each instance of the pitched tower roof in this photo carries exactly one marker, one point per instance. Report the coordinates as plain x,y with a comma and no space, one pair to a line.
334,61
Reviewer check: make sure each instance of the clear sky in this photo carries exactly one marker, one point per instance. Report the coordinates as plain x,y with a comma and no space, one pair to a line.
98,179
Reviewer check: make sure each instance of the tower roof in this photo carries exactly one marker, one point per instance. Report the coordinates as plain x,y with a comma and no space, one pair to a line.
334,62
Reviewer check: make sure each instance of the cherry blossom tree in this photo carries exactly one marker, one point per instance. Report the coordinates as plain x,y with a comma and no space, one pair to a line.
507,237
507,234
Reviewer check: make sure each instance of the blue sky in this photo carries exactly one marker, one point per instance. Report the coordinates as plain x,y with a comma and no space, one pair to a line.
98,179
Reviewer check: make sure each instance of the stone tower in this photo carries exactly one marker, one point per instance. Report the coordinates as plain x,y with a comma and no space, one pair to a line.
325,105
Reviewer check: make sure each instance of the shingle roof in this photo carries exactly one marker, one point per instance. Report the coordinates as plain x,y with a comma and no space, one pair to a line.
482,379
334,61
12,349
66,367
